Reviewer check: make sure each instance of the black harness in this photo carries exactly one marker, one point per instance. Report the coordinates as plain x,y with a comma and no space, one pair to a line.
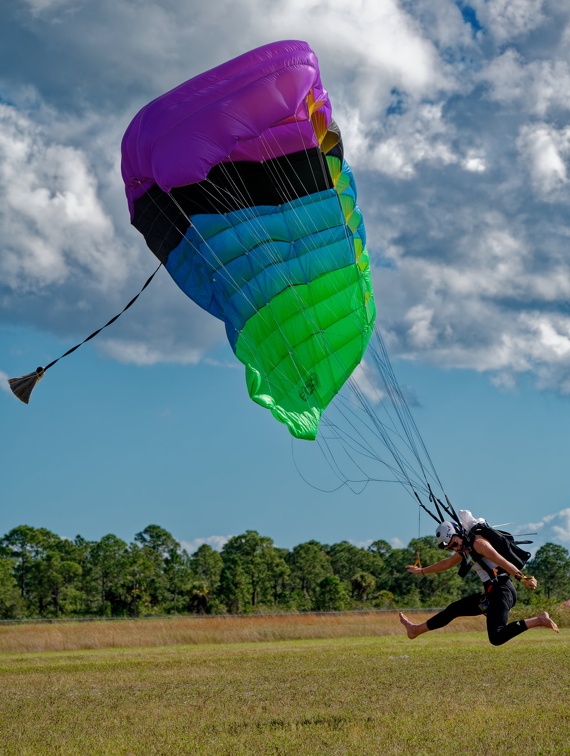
503,543
468,556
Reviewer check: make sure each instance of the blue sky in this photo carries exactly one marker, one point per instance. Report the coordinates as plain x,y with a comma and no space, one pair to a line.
455,122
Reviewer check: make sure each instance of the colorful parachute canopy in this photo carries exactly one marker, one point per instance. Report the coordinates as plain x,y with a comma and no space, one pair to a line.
237,181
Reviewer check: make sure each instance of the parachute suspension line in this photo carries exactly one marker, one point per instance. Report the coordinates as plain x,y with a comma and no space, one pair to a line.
344,481
410,423
237,288
22,387
398,403
280,180
384,432
378,429
314,229
405,419
447,508
413,441
390,437
430,513
354,443
220,266
405,473
286,185
262,238
419,522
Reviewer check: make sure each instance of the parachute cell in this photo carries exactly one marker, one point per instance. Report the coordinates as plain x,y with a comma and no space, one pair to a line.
237,181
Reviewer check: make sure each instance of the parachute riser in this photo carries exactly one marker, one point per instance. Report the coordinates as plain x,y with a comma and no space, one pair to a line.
423,506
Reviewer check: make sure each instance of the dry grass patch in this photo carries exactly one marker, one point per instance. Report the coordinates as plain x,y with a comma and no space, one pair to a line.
75,636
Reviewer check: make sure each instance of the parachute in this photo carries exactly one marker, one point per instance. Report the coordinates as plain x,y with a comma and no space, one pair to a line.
237,181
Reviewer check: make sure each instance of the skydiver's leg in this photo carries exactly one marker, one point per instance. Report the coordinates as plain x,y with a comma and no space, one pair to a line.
465,607
469,606
501,600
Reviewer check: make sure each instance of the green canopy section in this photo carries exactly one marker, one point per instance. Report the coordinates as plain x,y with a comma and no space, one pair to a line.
301,348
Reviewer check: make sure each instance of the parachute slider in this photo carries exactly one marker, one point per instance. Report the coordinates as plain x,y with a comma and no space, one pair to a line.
23,386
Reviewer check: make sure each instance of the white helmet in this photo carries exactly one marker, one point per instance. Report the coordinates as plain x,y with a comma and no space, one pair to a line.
445,532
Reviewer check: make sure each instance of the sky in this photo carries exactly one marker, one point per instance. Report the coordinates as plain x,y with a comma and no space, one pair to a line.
455,120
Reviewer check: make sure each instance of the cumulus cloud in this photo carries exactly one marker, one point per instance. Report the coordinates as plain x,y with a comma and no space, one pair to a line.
420,135
361,544
366,378
146,352
52,218
215,541
454,118
546,151
554,528
535,87
505,20
385,44
39,7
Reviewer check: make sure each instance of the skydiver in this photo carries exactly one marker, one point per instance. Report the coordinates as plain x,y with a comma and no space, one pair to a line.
499,595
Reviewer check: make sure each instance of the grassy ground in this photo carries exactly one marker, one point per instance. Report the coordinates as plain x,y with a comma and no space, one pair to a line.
444,693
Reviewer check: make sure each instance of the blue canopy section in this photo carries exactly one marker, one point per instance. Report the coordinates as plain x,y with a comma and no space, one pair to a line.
234,264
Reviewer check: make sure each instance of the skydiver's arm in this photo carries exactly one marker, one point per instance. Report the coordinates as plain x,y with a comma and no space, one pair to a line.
483,547
441,566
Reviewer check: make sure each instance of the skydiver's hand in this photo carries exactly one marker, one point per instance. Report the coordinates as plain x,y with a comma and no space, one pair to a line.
530,583
413,570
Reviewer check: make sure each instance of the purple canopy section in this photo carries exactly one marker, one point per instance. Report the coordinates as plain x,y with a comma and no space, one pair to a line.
253,107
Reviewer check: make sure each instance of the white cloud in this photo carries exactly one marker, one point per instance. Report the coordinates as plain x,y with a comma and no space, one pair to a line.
537,87
420,135
4,385
544,150
366,378
53,222
442,22
474,162
553,528
459,141
421,331
149,353
361,544
215,541
507,20
38,7
380,40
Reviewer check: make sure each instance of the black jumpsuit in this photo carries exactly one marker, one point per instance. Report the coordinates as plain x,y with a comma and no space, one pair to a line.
501,597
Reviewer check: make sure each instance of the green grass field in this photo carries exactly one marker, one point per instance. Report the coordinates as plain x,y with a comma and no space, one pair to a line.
444,693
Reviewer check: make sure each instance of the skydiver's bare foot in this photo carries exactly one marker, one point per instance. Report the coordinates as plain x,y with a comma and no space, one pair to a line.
545,621
412,630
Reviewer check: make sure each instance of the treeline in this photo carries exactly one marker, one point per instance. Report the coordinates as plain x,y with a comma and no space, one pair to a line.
43,575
